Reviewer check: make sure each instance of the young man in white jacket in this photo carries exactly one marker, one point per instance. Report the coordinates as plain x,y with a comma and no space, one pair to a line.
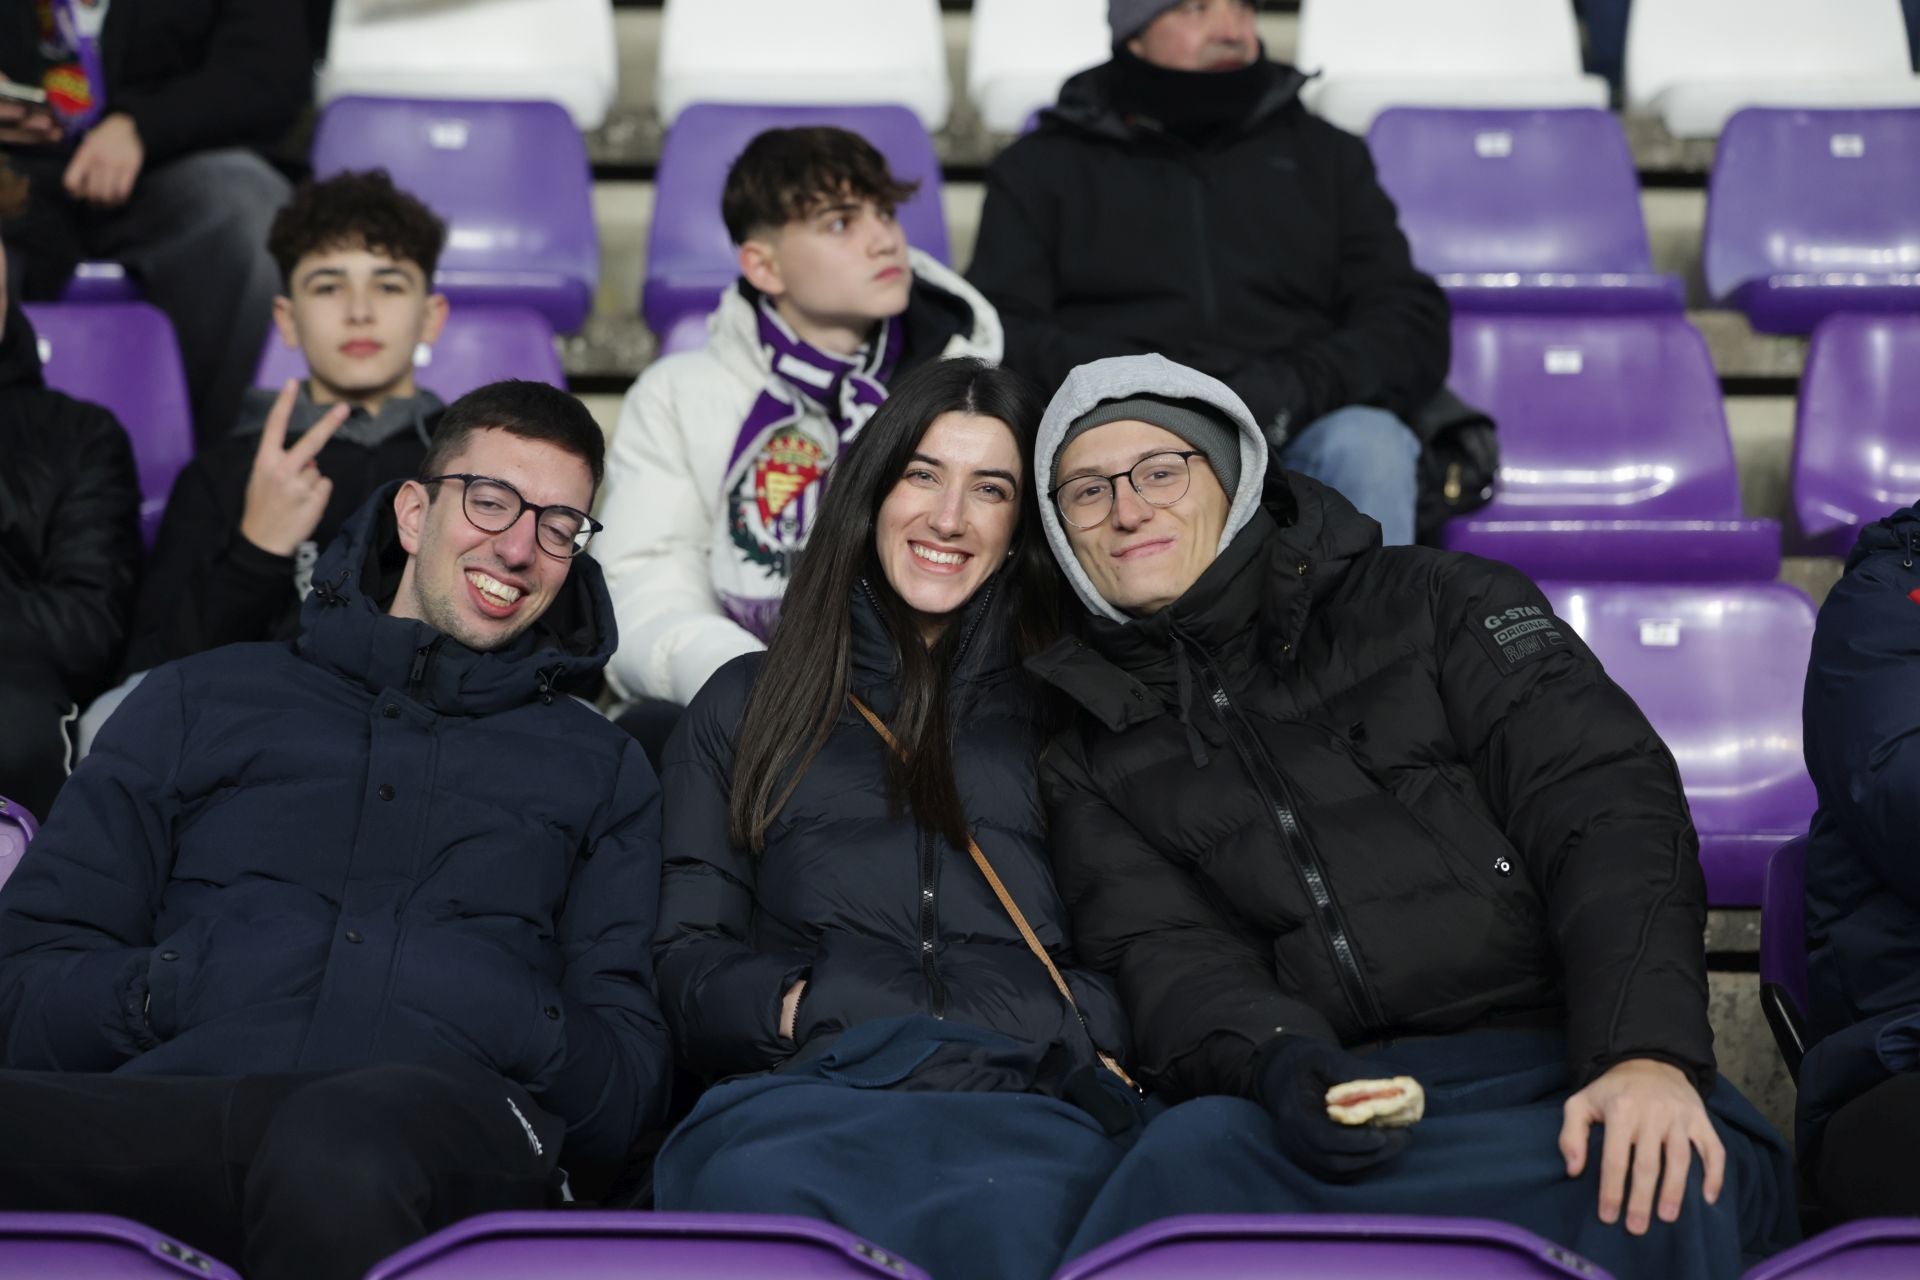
717,466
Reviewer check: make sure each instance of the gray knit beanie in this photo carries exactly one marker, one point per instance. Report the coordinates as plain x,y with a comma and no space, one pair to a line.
1195,421
1126,17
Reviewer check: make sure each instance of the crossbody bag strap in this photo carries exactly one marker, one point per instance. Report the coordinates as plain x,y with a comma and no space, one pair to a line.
1006,901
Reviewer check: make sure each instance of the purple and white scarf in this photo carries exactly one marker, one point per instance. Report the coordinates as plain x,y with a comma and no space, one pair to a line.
781,454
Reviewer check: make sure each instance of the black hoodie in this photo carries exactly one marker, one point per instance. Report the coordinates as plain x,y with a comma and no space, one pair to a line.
1262,251
69,526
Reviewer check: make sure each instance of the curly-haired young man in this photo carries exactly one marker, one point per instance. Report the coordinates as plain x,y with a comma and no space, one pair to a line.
236,550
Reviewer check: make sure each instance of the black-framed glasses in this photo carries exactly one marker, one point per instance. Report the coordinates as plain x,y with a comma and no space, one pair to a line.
494,506
1161,479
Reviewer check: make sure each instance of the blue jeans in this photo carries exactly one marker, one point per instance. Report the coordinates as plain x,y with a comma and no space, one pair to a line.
1370,456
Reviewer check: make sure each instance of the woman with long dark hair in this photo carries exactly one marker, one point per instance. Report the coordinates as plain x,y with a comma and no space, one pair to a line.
844,812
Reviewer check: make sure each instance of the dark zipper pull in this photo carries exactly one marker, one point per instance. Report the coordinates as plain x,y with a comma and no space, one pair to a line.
421,656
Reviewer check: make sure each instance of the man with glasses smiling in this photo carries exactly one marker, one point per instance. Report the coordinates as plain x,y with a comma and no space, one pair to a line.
359,924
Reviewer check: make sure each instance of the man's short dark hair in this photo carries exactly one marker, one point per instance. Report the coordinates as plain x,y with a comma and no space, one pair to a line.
356,211
530,410
788,174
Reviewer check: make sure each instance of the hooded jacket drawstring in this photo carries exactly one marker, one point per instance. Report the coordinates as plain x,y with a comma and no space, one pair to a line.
1183,695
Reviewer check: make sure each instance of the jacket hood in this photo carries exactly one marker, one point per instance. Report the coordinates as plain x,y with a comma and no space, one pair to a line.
1897,532
1090,103
344,627
19,352
1117,378
733,333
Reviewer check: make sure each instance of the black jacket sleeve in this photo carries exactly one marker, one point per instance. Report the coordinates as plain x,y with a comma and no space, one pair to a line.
207,585
246,89
721,994
1592,800
1014,264
1201,996
1392,343
72,610
76,917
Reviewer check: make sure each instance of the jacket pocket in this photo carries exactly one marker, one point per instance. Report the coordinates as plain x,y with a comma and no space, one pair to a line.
1483,860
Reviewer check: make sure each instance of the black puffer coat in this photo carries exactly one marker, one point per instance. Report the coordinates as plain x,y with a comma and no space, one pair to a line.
1359,793
881,917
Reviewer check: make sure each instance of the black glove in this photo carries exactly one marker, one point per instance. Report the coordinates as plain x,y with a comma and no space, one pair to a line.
1274,394
1291,1077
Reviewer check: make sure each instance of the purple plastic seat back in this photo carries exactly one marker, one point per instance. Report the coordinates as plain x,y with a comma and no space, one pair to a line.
690,259
1522,210
479,345
1856,439
1329,1247
17,829
602,1245
1872,1249
123,357
1718,670
511,179
92,1246
1812,212
1615,460
100,282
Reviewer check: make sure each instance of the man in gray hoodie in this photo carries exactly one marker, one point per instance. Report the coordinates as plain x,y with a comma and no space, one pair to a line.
1333,812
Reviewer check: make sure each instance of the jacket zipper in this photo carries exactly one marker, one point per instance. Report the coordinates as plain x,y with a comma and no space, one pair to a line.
936,989
1278,797
417,673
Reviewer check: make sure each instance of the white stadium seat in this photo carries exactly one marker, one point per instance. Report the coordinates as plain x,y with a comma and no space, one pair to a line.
1375,54
493,50
804,52
1021,51
1696,62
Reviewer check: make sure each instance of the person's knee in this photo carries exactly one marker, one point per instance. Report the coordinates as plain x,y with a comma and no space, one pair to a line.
1366,441
1194,1133
350,1138
232,188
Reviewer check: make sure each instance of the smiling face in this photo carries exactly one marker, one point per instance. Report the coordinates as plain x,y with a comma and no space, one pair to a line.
1142,558
358,316
834,273
484,589
945,526
1200,35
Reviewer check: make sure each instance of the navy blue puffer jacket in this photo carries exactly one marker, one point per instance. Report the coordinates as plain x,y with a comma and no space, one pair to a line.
372,845
1863,867
880,916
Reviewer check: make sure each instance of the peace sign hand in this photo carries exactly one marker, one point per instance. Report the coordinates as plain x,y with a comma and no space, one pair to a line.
286,494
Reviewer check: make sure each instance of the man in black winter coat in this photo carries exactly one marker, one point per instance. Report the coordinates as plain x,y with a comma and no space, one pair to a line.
1332,812
1180,199
149,154
69,549
332,942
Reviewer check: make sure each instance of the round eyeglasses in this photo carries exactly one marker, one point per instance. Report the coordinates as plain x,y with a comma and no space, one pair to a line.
494,506
1160,479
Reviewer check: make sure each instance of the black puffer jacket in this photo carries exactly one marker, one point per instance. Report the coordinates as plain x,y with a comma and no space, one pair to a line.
1358,793
69,523
881,917
1266,254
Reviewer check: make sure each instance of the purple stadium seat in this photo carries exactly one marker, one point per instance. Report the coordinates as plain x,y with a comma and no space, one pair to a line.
1856,441
689,257
478,346
1812,212
1783,950
17,828
1615,460
122,356
1522,210
1718,670
1328,1247
1871,1249
91,1246
511,179
601,1245
100,282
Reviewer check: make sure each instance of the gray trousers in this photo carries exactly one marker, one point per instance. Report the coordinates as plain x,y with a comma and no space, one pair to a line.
194,234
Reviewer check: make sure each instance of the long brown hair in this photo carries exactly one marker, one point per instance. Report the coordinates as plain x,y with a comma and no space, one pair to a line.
801,689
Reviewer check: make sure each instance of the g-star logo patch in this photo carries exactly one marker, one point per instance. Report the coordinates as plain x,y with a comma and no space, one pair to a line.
1514,637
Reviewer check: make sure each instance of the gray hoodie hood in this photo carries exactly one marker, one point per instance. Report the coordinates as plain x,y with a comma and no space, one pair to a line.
1116,379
